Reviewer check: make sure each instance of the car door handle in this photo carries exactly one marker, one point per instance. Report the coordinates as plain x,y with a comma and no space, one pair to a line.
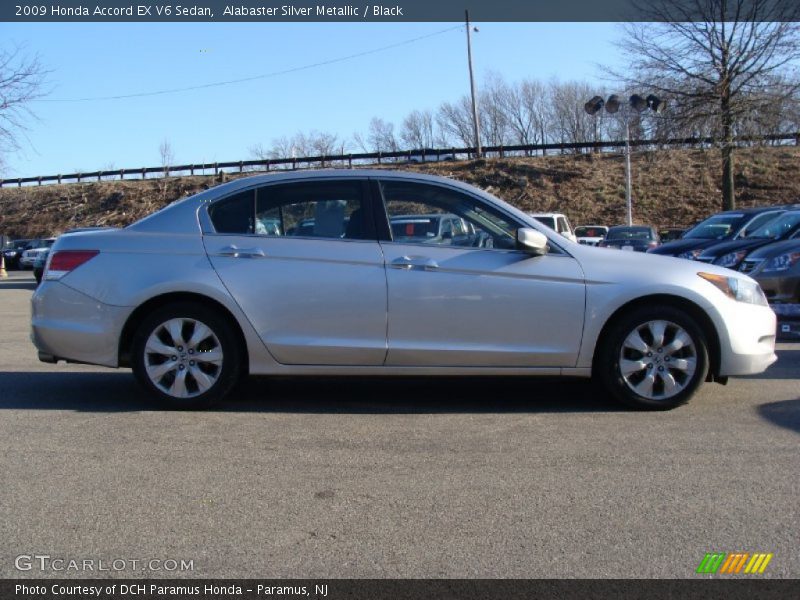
234,252
414,262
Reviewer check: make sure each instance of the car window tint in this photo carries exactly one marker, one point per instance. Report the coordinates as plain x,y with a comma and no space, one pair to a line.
430,214
234,214
332,210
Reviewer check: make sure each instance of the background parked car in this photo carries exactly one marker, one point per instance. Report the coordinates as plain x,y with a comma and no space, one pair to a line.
557,222
13,252
36,248
432,229
38,266
731,254
670,234
776,267
728,225
639,238
589,235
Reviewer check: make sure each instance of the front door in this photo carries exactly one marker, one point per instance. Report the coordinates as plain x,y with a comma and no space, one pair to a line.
474,300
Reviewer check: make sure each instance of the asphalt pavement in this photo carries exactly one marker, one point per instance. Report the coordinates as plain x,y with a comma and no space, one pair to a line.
407,478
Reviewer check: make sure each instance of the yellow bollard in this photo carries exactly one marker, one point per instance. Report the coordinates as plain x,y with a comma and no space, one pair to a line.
3,273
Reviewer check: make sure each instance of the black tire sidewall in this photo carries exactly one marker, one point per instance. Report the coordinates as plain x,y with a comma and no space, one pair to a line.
609,370
221,328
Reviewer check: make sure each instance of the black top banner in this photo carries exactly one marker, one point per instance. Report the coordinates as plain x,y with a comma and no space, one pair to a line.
400,10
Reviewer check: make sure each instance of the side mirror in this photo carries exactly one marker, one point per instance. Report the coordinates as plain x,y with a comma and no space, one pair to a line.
531,241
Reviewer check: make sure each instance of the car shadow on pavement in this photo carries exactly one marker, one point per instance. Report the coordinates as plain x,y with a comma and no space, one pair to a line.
785,413
118,392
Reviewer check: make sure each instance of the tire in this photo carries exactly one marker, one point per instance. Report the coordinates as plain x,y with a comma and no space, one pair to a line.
653,358
195,381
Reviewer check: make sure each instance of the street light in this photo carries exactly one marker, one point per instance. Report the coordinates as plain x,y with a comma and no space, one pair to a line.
635,105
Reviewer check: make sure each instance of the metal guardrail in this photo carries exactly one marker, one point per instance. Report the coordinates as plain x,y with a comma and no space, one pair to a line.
378,157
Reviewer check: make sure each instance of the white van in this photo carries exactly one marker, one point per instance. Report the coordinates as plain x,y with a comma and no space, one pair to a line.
558,222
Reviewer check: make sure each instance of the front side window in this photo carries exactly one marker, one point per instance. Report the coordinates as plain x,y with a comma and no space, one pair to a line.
420,213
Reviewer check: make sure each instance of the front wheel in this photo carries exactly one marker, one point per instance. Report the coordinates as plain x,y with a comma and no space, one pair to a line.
186,355
655,358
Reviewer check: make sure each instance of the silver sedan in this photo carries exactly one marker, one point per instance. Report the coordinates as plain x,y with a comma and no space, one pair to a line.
319,273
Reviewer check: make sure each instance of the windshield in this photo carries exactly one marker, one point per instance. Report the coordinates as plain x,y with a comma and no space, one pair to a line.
590,231
629,233
716,227
777,227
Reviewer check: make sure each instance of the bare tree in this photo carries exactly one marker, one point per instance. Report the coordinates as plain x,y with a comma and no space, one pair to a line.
569,123
167,156
418,131
455,121
716,60
21,82
493,119
380,137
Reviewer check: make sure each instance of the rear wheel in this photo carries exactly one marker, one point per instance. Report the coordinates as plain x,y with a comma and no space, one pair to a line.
655,358
186,355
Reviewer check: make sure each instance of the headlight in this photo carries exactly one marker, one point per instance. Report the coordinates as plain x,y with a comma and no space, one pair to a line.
738,289
784,262
691,254
731,259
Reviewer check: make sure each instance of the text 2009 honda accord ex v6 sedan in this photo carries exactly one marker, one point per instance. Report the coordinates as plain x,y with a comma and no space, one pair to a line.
327,273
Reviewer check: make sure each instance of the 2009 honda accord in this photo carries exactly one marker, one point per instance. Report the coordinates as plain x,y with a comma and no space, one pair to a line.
300,274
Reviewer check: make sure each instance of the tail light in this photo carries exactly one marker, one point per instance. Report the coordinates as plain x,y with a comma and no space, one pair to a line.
64,261
652,245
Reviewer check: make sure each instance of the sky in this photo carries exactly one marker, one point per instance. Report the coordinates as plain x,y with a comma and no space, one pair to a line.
75,131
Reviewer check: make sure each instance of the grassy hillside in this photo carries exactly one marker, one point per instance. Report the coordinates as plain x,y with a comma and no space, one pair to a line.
670,188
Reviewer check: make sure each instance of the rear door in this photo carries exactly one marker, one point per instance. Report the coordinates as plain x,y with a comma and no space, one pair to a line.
302,261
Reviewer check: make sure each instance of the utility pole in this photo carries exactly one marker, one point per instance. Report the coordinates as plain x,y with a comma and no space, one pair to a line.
475,123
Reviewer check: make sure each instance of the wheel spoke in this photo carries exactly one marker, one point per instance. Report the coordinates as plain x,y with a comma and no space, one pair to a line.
156,346
178,388
645,386
683,364
657,329
682,340
635,342
628,367
175,329
204,381
670,385
200,333
212,356
156,372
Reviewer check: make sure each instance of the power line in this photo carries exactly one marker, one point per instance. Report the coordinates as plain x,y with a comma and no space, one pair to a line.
256,77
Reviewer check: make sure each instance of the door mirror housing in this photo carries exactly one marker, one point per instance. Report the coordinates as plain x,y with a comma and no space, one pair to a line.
532,242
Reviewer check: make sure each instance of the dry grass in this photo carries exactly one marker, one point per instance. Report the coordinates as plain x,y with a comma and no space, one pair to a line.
670,188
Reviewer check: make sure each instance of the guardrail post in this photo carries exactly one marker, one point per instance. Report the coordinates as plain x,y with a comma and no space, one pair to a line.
144,173
241,167
121,174
191,170
349,161
379,158
19,182
40,180
294,163
99,175
267,165
79,178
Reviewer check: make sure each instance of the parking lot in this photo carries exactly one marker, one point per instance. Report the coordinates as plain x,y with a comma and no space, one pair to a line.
410,478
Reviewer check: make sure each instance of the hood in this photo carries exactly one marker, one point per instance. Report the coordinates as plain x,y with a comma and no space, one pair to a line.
724,248
685,245
776,248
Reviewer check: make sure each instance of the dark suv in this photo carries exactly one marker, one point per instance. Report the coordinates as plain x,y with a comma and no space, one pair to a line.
724,226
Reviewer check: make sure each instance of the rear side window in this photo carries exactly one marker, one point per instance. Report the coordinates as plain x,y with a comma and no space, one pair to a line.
235,214
324,209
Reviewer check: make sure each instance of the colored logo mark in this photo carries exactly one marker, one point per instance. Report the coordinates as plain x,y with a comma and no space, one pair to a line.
734,563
